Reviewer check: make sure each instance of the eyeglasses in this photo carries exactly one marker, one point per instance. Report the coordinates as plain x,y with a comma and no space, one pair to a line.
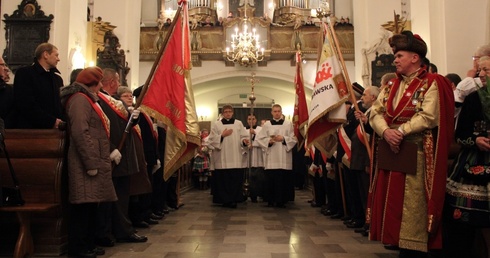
475,58
3,64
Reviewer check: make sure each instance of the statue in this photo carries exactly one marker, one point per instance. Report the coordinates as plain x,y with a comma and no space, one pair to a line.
160,21
298,22
195,21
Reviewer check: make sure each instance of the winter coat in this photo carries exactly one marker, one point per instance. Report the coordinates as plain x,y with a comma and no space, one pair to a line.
89,147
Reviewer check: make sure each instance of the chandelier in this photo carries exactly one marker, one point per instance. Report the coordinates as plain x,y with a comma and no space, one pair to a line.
245,46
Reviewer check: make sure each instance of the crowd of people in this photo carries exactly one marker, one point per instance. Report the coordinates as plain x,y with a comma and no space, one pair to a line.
415,174
115,177
387,176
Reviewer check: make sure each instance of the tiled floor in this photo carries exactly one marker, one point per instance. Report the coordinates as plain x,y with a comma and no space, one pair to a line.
201,229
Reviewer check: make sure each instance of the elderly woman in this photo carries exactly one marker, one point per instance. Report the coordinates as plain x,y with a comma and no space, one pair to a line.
125,95
467,191
89,160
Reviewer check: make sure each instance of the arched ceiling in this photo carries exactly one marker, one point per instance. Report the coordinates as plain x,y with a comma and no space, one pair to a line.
241,85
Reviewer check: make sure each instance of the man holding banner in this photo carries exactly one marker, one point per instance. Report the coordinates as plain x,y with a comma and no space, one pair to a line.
411,117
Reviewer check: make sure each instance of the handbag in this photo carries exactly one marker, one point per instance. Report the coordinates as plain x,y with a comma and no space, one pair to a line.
10,195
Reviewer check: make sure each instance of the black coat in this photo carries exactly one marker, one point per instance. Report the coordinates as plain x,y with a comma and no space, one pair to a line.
349,127
37,102
129,161
6,103
360,157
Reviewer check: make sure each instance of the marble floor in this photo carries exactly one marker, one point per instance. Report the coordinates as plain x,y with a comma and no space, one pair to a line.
201,229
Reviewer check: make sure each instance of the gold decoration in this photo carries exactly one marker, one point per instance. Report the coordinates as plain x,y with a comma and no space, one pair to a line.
398,24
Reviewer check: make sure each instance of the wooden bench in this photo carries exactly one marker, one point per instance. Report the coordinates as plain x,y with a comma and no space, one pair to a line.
38,227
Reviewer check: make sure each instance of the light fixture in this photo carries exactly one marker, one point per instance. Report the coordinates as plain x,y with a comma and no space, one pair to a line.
203,112
288,112
220,7
271,6
245,46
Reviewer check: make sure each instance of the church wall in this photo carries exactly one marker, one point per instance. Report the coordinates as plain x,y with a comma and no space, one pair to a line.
367,27
464,33
449,32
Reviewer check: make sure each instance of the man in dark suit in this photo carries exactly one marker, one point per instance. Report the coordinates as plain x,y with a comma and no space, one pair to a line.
116,214
37,91
344,158
360,162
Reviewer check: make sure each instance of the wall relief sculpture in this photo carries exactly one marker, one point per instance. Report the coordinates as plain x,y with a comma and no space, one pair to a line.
112,56
25,29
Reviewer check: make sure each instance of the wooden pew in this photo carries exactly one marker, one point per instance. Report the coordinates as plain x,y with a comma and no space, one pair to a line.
37,157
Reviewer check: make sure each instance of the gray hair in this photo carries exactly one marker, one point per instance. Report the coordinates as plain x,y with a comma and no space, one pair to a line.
483,50
387,77
123,89
373,90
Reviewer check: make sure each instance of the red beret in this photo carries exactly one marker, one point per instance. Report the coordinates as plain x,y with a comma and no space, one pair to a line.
90,76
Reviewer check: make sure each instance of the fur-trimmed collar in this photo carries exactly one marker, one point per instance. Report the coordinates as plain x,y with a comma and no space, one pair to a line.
68,91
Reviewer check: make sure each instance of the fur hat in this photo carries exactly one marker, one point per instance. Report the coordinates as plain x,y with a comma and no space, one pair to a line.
408,41
90,76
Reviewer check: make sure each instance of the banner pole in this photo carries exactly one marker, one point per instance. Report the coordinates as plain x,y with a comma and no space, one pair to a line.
331,31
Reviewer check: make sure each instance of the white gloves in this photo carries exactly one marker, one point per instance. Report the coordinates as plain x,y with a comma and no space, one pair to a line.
92,172
116,156
313,167
135,114
156,167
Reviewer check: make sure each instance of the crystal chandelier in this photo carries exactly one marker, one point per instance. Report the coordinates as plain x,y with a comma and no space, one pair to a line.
245,46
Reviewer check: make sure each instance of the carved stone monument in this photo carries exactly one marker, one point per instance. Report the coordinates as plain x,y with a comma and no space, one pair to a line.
25,29
112,56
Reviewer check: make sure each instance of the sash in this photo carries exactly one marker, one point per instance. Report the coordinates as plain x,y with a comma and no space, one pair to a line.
115,105
119,109
360,135
104,119
346,145
150,123
318,168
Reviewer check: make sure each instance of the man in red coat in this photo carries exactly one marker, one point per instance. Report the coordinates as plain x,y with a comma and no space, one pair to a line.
407,207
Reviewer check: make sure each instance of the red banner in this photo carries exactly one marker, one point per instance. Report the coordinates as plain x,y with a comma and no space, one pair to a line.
169,97
300,117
